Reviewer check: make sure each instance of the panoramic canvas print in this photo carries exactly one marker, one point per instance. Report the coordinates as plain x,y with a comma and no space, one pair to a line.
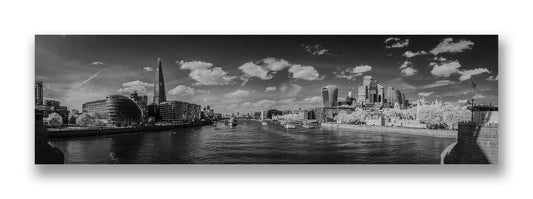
266,99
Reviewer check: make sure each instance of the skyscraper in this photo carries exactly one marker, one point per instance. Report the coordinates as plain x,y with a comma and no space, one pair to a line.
159,85
329,96
38,93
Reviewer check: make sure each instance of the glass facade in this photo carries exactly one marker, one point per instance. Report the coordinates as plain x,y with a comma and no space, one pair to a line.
122,111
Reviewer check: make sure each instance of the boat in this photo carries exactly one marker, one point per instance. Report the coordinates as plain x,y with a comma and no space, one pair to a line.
232,122
290,125
311,124
264,123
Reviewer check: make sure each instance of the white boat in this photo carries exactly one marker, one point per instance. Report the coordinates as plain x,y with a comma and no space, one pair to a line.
264,123
290,126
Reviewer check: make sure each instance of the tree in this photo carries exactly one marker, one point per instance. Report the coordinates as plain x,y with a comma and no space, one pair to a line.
54,120
85,119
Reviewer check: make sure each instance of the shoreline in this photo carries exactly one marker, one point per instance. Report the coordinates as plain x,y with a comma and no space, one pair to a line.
397,130
76,133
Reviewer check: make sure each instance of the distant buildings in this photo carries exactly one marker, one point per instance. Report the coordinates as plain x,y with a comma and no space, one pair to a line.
373,94
329,96
175,111
141,101
38,93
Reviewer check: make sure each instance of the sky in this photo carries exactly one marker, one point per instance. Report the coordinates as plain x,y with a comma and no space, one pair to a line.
245,73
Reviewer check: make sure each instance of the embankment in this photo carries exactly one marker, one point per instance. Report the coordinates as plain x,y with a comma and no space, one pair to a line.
398,130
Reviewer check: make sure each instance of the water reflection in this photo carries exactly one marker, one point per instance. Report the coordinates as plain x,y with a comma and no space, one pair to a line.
252,143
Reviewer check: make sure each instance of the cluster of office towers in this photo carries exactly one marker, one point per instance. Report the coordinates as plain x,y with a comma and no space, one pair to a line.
370,94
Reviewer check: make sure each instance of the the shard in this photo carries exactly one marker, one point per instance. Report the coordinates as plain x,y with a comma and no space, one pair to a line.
159,85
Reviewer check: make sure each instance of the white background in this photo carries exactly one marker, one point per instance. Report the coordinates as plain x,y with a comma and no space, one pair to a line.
20,20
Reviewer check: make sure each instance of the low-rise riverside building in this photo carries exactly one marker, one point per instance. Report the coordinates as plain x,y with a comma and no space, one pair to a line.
176,111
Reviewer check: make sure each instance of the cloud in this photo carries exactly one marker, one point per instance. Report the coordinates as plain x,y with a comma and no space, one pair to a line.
183,90
442,59
407,69
467,74
98,63
274,64
270,89
316,99
315,49
351,73
492,78
448,46
137,85
394,42
238,94
205,75
445,69
289,90
148,69
308,73
262,69
425,94
253,70
438,83
194,65
477,96
264,104
92,77
410,54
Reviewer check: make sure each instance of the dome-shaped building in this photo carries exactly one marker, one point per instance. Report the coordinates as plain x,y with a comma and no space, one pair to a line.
122,111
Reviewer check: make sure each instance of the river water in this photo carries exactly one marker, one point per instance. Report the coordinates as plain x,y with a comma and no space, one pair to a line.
251,143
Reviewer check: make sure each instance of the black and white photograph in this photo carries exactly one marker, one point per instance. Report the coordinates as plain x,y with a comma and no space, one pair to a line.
266,99
242,99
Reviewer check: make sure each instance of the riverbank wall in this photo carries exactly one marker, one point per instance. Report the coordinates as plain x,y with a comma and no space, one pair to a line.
398,130
476,144
88,132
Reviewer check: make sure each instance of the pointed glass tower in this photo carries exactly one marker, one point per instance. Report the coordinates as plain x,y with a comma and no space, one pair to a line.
159,85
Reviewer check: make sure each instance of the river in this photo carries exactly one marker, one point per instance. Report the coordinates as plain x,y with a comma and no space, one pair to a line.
251,143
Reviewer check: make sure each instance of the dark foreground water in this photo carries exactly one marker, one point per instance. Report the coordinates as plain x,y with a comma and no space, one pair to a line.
252,143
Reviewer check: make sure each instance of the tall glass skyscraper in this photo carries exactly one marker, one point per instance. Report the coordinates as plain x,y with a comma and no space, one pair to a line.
329,96
159,85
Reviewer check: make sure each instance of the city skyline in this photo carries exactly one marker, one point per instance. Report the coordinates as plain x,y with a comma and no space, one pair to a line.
249,73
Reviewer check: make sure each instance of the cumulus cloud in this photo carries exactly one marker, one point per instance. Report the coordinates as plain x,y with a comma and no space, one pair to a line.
445,69
194,65
265,104
270,89
183,90
205,74
467,74
238,94
274,64
492,78
410,54
308,73
315,49
253,70
148,69
394,42
448,46
407,69
438,83
98,63
262,69
425,94
353,72
137,85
